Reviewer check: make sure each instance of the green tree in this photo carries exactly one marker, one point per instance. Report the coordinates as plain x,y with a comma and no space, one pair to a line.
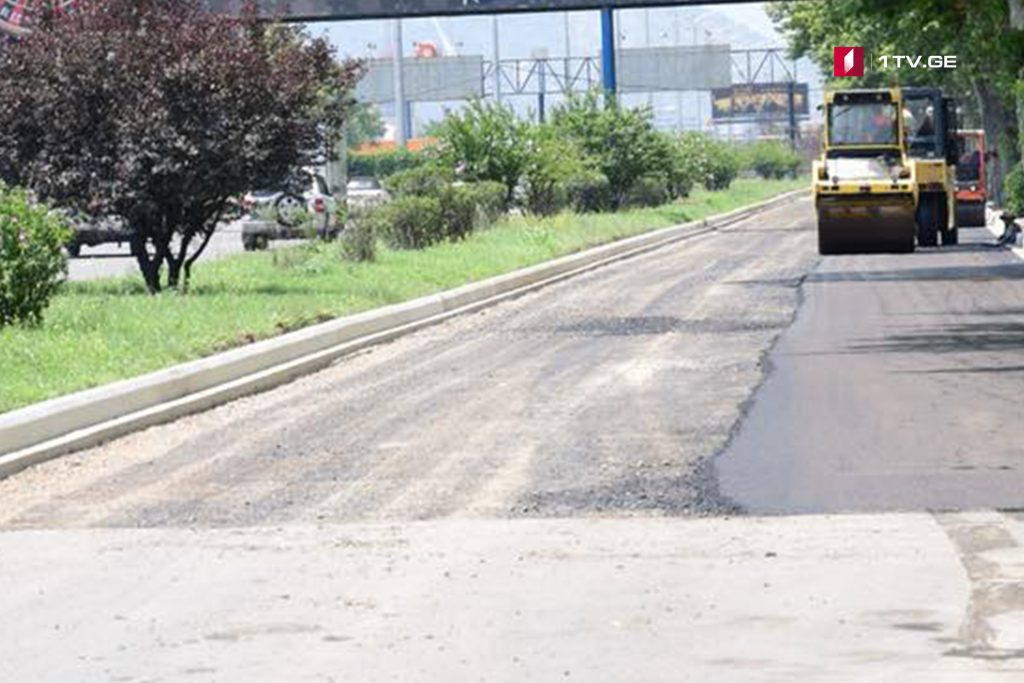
618,141
364,124
989,47
485,141
160,112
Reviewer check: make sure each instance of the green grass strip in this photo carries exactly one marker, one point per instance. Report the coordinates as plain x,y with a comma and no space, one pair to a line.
101,331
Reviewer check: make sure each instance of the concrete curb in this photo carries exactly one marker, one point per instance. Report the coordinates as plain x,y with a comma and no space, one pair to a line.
52,428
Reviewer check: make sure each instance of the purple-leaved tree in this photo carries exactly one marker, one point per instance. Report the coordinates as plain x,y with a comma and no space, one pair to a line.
160,112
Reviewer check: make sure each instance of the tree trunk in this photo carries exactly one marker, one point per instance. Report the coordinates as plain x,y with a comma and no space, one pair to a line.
1017,24
149,266
1000,133
173,272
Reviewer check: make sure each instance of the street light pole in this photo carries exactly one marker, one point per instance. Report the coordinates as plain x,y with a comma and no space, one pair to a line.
647,44
496,38
400,125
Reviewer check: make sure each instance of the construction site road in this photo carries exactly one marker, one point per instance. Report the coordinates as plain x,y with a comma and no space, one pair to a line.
607,393
511,495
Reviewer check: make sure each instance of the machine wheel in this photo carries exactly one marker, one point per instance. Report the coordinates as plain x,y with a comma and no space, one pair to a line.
950,236
827,245
970,215
928,216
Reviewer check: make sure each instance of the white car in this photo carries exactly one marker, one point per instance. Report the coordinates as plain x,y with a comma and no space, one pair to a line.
281,214
365,192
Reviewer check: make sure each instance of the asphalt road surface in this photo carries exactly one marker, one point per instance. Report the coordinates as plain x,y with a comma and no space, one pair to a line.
898,387
560,487
603,394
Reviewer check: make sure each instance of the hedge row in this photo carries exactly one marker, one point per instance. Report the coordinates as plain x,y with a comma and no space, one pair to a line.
384,164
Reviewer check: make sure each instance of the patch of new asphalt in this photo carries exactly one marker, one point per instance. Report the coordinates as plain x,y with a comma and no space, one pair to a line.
606,394
898,387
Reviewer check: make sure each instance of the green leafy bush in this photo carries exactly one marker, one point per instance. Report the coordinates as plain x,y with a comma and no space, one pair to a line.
384,164
618,141
589,192
648,190
410,222
359,239
459,212
771,159
553,160
485,142
682,172
1013,188
489,198
430,180
466,207
716,162
32,259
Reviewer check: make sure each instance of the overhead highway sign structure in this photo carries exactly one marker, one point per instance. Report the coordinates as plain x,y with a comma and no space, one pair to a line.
328,10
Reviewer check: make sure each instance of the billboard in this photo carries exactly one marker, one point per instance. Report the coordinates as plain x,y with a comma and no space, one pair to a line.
437,79
758,101
684,67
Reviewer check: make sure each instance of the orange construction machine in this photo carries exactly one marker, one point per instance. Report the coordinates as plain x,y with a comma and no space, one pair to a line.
970,179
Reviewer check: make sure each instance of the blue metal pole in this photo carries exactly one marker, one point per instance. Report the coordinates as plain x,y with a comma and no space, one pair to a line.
608,51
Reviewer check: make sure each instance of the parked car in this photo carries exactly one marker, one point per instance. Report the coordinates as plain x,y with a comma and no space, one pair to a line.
289,213
88,231
365,192
92,231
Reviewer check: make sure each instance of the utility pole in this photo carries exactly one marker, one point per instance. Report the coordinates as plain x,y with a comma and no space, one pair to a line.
496,39
608,53
791,93
568,53
679,93
400,125
647,44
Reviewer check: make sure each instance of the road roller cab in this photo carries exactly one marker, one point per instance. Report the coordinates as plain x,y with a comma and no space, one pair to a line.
933,147
865,185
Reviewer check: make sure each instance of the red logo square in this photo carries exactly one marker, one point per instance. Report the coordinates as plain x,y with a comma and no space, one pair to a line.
848,61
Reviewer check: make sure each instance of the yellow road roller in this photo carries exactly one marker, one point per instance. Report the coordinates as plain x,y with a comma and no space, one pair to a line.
929,119
865,189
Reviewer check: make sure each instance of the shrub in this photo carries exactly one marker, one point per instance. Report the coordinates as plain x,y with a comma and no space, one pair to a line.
490,199
619,142
32,260
384,164
772,159
716,162
683,172
648,190
359,239
410,222
430,180
588,192
485,142
552,161
459,212
1013,188
466,207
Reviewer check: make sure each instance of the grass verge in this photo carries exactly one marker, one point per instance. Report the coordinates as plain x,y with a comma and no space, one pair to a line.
101,331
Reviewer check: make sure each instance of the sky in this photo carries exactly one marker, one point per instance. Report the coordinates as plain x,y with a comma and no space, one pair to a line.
523,36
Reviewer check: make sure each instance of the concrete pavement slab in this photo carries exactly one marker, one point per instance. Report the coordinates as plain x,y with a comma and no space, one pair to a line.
808,598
